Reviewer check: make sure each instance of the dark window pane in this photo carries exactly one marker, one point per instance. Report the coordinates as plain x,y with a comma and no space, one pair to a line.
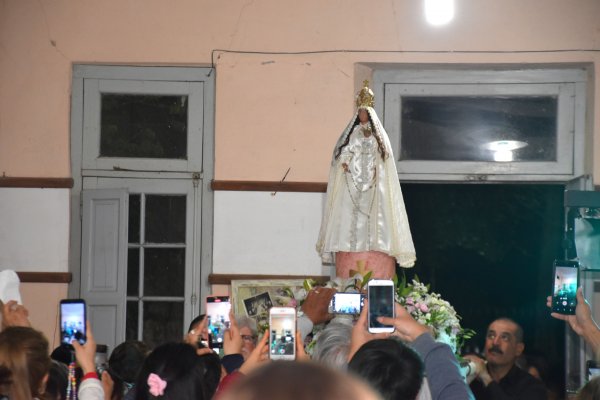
478,128
165,219
163,322
133,272
143,126
131,322
134,218
164,272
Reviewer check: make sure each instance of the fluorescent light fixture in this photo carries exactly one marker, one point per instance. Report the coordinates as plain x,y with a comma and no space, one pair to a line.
439,12
503,149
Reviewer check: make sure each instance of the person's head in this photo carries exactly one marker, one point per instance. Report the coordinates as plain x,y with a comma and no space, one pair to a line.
298,381
196,322
124,365
333,345
186,375
58,380
591,390
62,354
363,115
503,342
392,368
247,327
24,352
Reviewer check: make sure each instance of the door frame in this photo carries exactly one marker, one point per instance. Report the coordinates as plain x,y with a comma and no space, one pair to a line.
204,177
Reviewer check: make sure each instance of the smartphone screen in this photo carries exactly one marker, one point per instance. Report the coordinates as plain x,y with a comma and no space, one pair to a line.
72,321
381,304
347,303
282,325
566,282
593,369
217,312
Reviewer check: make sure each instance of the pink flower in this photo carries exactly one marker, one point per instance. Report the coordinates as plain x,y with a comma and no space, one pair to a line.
292,303
410,309
410,301
424,307
157,385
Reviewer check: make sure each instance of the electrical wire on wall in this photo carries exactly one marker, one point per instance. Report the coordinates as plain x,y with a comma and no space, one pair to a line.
333,51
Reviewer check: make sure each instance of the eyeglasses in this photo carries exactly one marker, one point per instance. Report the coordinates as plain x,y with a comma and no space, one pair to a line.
248,338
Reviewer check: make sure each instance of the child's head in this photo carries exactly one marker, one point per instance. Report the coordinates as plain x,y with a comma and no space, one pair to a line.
174,371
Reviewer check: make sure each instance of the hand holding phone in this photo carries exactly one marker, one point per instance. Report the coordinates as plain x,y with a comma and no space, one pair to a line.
347,303
73,321
217,314
566,282
381,304
282,333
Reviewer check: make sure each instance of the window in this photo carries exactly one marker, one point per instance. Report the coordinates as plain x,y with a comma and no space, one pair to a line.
142,161
143,125
484,125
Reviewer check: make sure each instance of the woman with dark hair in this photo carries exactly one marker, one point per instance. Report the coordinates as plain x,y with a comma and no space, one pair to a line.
173,371
124,365
58,380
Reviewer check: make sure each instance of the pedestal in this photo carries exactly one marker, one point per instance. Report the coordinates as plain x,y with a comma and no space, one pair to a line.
382,265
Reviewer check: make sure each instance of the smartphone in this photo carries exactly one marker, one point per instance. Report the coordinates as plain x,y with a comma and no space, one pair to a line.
381,304
593,369
347,303
217,312
72,321
566,282
282,326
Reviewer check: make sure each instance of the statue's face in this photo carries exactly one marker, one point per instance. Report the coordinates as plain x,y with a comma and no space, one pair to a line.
363,116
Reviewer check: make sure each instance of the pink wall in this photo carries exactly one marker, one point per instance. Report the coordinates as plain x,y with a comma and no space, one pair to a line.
42,299
272,111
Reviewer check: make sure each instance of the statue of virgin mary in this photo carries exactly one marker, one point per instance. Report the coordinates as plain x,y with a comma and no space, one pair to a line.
364,220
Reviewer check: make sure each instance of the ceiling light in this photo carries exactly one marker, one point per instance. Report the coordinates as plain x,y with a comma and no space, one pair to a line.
439,12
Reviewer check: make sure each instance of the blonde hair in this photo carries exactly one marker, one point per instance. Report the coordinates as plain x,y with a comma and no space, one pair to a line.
25,362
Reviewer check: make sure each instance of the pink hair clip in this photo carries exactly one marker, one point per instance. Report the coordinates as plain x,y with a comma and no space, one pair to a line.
157,385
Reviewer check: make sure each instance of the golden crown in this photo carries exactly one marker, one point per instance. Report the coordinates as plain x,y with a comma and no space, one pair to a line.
365,98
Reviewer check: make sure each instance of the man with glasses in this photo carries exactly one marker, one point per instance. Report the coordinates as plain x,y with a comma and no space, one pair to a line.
497,377
248,331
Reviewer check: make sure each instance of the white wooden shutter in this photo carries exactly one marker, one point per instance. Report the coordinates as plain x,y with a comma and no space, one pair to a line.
104,262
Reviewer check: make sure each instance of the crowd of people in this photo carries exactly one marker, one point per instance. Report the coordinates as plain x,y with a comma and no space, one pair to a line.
348,362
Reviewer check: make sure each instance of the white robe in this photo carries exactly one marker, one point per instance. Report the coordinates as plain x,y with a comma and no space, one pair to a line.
364,209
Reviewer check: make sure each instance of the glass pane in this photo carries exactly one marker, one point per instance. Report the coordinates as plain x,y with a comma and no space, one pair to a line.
143,126
134,218
131,322
133,272
479,128
165,219
164,272
163,322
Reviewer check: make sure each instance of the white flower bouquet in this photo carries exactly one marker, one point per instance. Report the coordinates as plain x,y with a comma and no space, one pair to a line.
428,308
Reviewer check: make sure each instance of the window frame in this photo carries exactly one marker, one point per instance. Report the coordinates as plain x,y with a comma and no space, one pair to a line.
568,85
93,90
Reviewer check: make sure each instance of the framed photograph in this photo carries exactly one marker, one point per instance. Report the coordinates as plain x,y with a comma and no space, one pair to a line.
258,304
254,297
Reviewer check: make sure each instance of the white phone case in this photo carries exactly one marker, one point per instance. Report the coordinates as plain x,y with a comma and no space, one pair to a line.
282,333
390,300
